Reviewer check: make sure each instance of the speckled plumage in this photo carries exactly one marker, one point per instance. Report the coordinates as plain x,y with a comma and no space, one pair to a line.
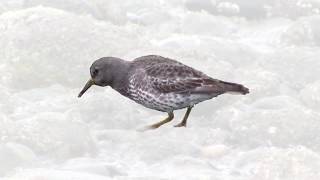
158,83
165,85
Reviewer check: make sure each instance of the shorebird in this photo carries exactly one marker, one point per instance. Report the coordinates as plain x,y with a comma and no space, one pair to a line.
159,83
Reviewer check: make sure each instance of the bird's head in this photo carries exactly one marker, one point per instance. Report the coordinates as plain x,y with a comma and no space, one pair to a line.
103,72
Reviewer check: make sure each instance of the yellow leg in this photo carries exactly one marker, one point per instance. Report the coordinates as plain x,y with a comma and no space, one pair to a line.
166,120
183,123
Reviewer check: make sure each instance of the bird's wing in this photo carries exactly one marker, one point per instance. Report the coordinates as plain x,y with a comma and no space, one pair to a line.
167,75
181,79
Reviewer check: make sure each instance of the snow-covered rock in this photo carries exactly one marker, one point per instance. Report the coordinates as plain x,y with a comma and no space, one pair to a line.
47,47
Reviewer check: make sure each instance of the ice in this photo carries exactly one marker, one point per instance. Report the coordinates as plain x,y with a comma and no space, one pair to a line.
14,154
50,174
47,47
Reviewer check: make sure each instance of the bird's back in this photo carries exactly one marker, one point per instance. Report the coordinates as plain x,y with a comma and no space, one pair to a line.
153,60
165,84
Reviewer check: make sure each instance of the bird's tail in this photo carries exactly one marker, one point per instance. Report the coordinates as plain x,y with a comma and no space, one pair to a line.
234,88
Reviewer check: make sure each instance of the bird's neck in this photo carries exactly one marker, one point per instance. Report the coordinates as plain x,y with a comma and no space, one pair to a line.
120,75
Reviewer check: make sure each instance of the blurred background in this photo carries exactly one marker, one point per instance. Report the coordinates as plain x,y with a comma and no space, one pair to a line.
271,46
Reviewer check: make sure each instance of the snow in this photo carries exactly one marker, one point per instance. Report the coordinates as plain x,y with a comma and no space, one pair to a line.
272,47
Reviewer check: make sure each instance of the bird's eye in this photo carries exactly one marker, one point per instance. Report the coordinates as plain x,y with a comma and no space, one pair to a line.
95,72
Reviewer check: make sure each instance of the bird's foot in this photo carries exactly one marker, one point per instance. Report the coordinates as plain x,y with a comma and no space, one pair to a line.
181,125
158,124
151,127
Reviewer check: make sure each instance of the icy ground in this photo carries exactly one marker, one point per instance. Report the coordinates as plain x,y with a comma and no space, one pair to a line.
271,46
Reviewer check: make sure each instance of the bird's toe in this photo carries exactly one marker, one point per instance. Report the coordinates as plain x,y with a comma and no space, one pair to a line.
146,128
181,125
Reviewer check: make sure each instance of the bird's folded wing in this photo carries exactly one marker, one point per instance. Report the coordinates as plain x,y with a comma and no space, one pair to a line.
181,79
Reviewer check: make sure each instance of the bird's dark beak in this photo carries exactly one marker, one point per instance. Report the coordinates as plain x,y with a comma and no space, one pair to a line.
86,87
